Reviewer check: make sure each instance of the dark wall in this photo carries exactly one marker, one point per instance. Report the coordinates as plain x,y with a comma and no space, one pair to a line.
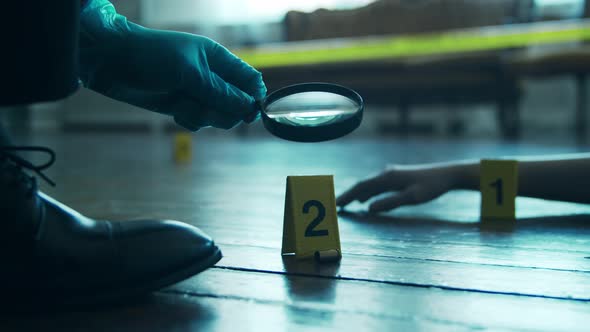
403,17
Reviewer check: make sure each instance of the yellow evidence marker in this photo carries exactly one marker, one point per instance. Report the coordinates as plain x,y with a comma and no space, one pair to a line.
310,224
499,187
182,147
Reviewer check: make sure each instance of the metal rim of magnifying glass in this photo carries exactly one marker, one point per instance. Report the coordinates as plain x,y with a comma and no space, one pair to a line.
312,133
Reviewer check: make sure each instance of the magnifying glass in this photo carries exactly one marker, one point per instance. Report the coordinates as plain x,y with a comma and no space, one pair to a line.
312,112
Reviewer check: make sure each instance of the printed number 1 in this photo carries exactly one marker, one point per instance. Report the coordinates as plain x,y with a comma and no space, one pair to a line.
310,231
498,186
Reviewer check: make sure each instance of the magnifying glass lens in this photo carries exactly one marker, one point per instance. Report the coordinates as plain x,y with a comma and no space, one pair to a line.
312,108
312,112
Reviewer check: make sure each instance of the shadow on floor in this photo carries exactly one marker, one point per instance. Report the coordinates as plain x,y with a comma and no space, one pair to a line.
161,312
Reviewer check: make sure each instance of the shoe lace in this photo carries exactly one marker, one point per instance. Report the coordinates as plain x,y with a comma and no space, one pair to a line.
9,153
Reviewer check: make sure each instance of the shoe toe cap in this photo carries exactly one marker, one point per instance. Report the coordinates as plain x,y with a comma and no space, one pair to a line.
160,247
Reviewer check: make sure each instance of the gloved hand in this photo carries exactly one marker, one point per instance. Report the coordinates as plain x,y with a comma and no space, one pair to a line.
193,78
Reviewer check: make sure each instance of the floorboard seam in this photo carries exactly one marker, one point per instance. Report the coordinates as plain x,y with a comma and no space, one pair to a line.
408,284
434,260
470,263
486,245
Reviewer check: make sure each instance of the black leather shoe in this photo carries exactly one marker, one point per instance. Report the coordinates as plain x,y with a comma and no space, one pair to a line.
53,255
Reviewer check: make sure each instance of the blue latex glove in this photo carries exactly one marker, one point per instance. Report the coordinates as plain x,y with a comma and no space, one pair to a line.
193,78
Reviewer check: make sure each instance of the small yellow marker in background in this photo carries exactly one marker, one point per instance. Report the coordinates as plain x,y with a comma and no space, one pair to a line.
499,187
310,224
182,148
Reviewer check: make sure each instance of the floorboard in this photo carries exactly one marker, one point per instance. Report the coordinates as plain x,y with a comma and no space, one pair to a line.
425,267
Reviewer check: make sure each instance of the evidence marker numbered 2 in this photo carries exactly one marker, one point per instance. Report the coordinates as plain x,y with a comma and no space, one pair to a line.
310,224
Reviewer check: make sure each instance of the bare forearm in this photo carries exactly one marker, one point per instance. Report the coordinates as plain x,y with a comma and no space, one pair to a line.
564,178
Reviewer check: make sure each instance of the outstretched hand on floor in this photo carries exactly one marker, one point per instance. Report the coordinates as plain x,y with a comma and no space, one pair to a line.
407,185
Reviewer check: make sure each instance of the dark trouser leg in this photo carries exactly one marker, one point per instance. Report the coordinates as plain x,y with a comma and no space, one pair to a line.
16,122
4,139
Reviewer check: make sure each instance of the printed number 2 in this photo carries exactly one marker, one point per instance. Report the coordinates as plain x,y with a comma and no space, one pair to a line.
498,185
310,231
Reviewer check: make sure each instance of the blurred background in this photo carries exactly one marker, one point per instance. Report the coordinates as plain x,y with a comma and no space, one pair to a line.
505,69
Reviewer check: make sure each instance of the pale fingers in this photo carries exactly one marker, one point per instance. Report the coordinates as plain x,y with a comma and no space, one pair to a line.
364,190
405,197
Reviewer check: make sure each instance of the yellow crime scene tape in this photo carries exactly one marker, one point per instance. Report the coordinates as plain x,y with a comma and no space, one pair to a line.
380,48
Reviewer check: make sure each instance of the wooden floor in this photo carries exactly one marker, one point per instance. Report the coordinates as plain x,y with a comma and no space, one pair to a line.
427,267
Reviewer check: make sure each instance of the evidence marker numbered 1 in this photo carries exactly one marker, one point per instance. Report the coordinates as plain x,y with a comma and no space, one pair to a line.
310,224
499,187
